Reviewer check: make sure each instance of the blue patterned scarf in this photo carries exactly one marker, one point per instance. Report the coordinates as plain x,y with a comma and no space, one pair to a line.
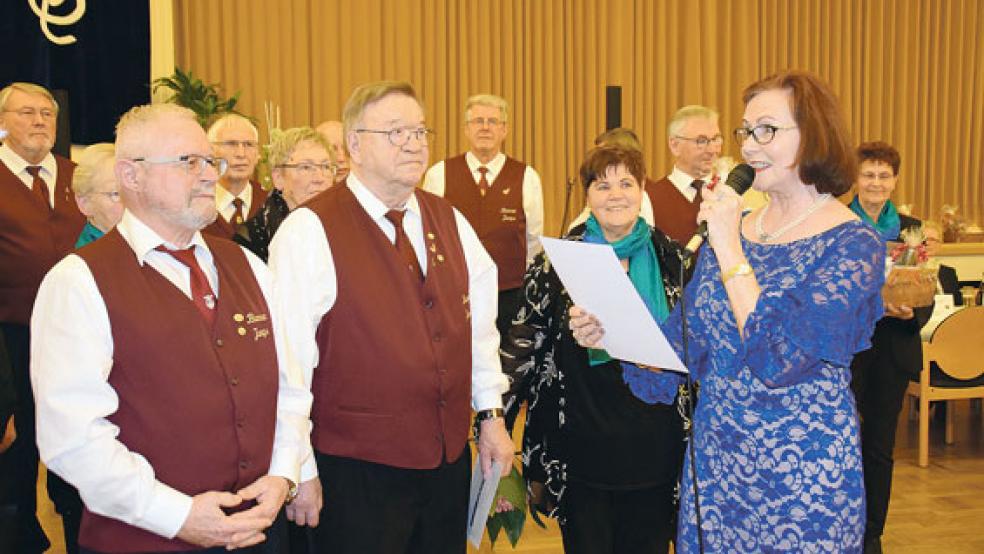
888,224
89,233
644,272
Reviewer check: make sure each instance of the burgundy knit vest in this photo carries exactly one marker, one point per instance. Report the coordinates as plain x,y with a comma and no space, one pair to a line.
498,217
225,229
199,404
393,382
32,239
672,212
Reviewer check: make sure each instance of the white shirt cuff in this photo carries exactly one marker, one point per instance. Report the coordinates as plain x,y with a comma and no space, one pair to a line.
167,511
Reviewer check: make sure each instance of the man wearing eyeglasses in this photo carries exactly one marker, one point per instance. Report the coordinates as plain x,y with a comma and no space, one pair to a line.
332,131
695,140
39,223
162,394
238,197
392,300
501,197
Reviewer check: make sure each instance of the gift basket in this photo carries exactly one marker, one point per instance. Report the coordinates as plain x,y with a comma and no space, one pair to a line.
908,282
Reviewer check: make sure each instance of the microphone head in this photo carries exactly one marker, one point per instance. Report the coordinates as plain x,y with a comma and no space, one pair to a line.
740,178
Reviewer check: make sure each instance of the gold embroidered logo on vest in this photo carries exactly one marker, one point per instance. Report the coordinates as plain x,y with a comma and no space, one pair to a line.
508,214
42,9
505,192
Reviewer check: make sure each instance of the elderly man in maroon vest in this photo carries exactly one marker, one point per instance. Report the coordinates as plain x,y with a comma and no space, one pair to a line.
501,197
39,223
161,392
695,141
237,196
392,301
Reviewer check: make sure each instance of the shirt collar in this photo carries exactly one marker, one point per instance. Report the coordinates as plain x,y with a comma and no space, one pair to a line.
143,240
224,198
373,205
17,164
494,165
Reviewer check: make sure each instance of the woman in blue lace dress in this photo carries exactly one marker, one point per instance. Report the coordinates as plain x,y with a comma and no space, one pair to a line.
780,302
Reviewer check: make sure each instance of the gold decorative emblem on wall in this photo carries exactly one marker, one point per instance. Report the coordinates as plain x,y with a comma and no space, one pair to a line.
42,9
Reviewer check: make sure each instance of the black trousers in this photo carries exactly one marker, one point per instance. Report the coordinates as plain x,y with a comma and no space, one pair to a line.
376,509
617,522
879,388
20,463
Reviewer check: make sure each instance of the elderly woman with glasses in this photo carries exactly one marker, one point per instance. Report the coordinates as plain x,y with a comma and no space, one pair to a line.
303,165
96,192
778,306
601,461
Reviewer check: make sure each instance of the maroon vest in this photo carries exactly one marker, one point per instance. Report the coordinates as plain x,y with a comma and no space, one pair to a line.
32,239
393,382
225,229
498,217
199,404
672,212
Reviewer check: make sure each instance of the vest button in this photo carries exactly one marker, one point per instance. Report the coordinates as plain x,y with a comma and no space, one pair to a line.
438,338
234,381
429,303
218,342
442,402
243,464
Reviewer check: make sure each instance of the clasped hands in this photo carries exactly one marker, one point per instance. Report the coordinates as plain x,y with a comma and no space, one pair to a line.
208,525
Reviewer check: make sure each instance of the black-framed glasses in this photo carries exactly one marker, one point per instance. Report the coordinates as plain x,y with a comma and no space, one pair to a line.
235,144
192,163
703,141
310,169
401,135
763,133
483,121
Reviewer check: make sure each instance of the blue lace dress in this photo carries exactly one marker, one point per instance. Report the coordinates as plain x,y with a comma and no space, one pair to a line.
776,430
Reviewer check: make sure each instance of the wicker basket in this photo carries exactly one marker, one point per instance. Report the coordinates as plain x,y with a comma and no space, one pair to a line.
910,286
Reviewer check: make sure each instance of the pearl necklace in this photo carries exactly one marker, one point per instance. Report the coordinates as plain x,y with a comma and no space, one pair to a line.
767,237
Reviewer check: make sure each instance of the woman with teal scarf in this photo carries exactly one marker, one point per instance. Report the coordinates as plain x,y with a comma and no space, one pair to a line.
601,461
96,192
880,375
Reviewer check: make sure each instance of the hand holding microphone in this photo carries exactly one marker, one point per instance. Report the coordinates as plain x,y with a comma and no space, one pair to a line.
719,205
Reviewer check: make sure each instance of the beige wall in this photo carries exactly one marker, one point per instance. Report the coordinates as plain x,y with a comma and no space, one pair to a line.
910,72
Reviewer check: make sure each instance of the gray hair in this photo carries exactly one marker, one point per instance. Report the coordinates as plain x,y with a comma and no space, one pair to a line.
216,128
686,113
283,143
29,88
94,160
489,100
132,129
366,94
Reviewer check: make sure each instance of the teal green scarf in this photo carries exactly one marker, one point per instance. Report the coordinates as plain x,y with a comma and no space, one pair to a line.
89,233
888,224
644,272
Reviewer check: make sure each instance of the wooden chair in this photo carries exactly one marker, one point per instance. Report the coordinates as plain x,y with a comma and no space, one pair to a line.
953,369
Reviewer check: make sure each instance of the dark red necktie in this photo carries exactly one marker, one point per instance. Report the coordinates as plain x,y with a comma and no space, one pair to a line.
699,185
201,291
403,245
39,187
483,181
239,216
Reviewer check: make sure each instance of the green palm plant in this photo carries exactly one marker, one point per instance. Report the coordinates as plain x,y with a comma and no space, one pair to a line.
193,93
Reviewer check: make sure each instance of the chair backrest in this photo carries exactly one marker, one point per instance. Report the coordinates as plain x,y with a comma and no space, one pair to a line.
956,344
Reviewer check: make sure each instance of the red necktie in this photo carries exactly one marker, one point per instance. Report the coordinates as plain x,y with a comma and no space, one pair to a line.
201,291
403,243
39,186
698,184
483,181
238,217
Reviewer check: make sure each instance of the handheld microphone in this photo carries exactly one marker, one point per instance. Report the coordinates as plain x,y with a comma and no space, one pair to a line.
740,179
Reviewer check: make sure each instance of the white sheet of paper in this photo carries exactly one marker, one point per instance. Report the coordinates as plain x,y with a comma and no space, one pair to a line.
596,281
480,499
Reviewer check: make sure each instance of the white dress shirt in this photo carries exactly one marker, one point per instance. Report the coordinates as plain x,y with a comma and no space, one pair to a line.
71,359
18,166
305,286
224,198
532,194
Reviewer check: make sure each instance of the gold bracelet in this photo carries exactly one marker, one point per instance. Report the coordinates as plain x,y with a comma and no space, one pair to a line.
735,271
